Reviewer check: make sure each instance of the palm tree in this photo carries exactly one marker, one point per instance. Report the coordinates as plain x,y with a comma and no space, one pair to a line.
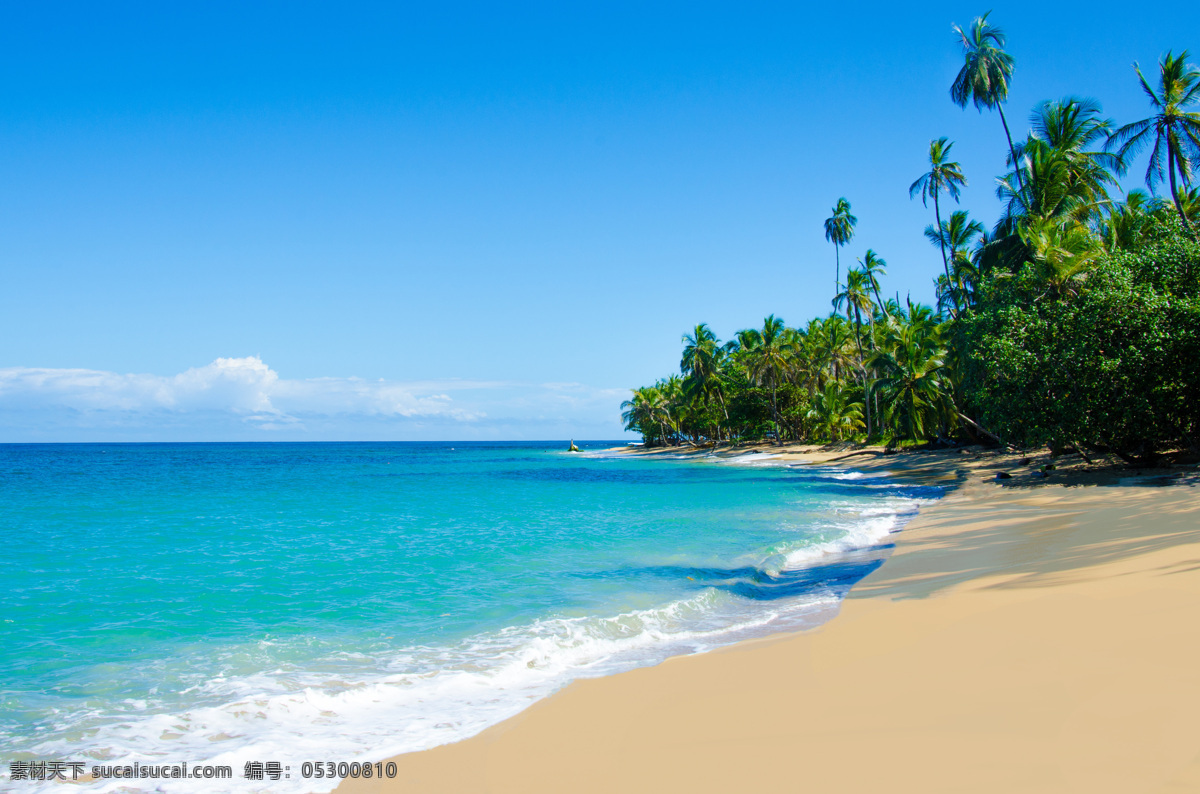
1190,203
770,360
833,343
703,365
873,266
956,235
1174,129
674,403
913,377
1057,171
834,413
1127,222
839,230
986,72
943,175
647,413
857,298
1063,252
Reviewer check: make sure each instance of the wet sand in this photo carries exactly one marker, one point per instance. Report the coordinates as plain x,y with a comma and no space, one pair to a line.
1028,635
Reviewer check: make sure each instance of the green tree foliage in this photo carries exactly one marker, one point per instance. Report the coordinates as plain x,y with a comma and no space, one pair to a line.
944,176
839,230
1111,365
1073,322
1174,128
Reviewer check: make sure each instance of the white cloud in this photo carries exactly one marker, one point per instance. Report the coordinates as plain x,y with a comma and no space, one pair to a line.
215,399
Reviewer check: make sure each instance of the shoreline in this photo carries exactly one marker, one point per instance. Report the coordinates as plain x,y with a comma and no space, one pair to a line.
1028,634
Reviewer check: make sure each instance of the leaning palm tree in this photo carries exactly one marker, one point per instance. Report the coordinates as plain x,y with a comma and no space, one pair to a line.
943,175
646,412
986,72
1174,128
839,230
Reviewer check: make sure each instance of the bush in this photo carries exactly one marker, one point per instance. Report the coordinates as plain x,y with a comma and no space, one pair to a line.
1112,368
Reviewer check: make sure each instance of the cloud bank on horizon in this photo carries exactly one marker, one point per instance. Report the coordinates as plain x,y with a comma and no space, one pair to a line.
243,399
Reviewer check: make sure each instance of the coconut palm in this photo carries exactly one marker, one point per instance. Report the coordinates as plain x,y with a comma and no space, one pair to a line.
1174,129
1063,253
873,266
857,298
770,361
944,175
646,412
834,413
1128,221
912,380
703,365
986,72
956,235
839,230
1058,170
1189,202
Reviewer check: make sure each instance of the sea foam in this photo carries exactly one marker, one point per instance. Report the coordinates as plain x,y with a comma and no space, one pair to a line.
353,705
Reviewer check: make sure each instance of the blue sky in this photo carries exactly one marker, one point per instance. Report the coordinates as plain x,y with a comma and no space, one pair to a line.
466,220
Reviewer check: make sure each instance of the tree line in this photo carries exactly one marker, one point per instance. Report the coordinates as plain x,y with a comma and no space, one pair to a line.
1073,322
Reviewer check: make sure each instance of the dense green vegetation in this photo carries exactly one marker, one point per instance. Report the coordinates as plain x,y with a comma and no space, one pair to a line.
1074,322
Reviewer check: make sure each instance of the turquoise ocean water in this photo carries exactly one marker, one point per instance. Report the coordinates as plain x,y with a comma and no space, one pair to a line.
218,603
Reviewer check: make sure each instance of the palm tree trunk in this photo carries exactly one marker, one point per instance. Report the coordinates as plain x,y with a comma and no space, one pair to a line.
837,273
879,301
1172,156
1011,149
775,413
862,362
937,212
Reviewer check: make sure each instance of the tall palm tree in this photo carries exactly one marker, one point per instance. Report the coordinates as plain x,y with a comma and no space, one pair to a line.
986,72
770,361
943,175
857,298
839,230
1174,128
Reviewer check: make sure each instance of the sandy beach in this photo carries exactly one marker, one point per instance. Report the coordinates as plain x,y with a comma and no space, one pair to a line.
1030,634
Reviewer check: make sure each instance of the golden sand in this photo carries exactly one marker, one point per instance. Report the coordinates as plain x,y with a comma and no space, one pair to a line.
1040,635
